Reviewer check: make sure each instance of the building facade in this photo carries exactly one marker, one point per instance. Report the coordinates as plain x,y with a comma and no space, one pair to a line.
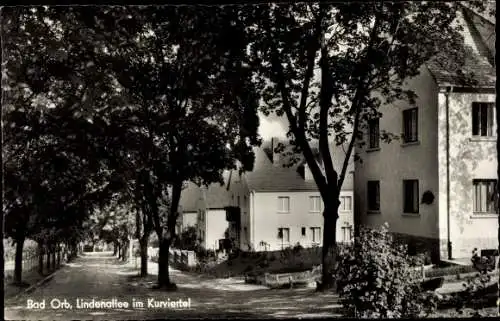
205,208
278,207
435,186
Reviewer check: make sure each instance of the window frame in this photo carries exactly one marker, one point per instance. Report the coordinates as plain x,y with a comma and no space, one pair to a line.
344,230
415,210
408,138
313,229
281,234
374,131
342,207
477,119
491,201
369,197
280,204
312,208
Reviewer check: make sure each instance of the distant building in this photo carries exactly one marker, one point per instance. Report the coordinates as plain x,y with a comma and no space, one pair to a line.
436,186
274,207
205,208
188,211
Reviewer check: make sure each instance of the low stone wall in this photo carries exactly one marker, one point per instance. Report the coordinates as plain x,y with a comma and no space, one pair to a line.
281,279
182,259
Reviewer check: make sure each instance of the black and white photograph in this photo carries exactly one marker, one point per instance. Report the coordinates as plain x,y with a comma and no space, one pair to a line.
267,160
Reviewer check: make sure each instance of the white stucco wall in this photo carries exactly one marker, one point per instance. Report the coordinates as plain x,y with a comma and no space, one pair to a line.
189,219
394,162
216,225
469,159
267,219
239,189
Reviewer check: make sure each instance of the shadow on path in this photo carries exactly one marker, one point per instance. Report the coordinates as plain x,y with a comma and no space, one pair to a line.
100,276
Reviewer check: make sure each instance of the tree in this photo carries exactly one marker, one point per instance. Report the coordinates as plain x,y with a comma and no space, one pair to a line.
193,98
329,67
53,168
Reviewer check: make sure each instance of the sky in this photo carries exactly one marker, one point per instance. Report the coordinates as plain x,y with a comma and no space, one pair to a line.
272,126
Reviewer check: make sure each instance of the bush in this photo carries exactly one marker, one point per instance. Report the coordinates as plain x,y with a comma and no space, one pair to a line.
187,240
477,291
376,278
297,249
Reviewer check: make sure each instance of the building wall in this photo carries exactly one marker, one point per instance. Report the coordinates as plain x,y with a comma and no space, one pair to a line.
395,161
267,219
469,159
238,189
189,219
216,225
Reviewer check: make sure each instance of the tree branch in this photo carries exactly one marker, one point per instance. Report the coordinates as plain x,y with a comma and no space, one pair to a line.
326,95
298,129
355,107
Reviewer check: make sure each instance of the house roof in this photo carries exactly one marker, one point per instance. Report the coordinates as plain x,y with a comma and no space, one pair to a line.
477,60
275,177
216,196
189,198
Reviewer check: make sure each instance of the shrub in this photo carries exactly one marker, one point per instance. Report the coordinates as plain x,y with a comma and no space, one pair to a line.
297,249
378,279
187,240
477,291
249,268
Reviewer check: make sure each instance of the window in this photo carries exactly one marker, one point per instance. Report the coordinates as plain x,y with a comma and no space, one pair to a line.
315,203
410,196
244,200
303,231
373,190
346,232
284,234
410,125
374,133
485,196
316,234
345,203
238,201
283,204
483,118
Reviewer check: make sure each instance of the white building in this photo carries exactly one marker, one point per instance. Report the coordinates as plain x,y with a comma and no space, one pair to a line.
436,186
275,207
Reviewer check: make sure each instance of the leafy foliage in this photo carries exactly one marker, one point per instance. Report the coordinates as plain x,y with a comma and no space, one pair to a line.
476,287
187,240
329,67
376,280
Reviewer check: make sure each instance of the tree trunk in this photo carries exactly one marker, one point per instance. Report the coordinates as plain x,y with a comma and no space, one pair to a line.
163,271
166,240
18,268
58,255
329,250
40,258
47,252
125,249
53,255
143,241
